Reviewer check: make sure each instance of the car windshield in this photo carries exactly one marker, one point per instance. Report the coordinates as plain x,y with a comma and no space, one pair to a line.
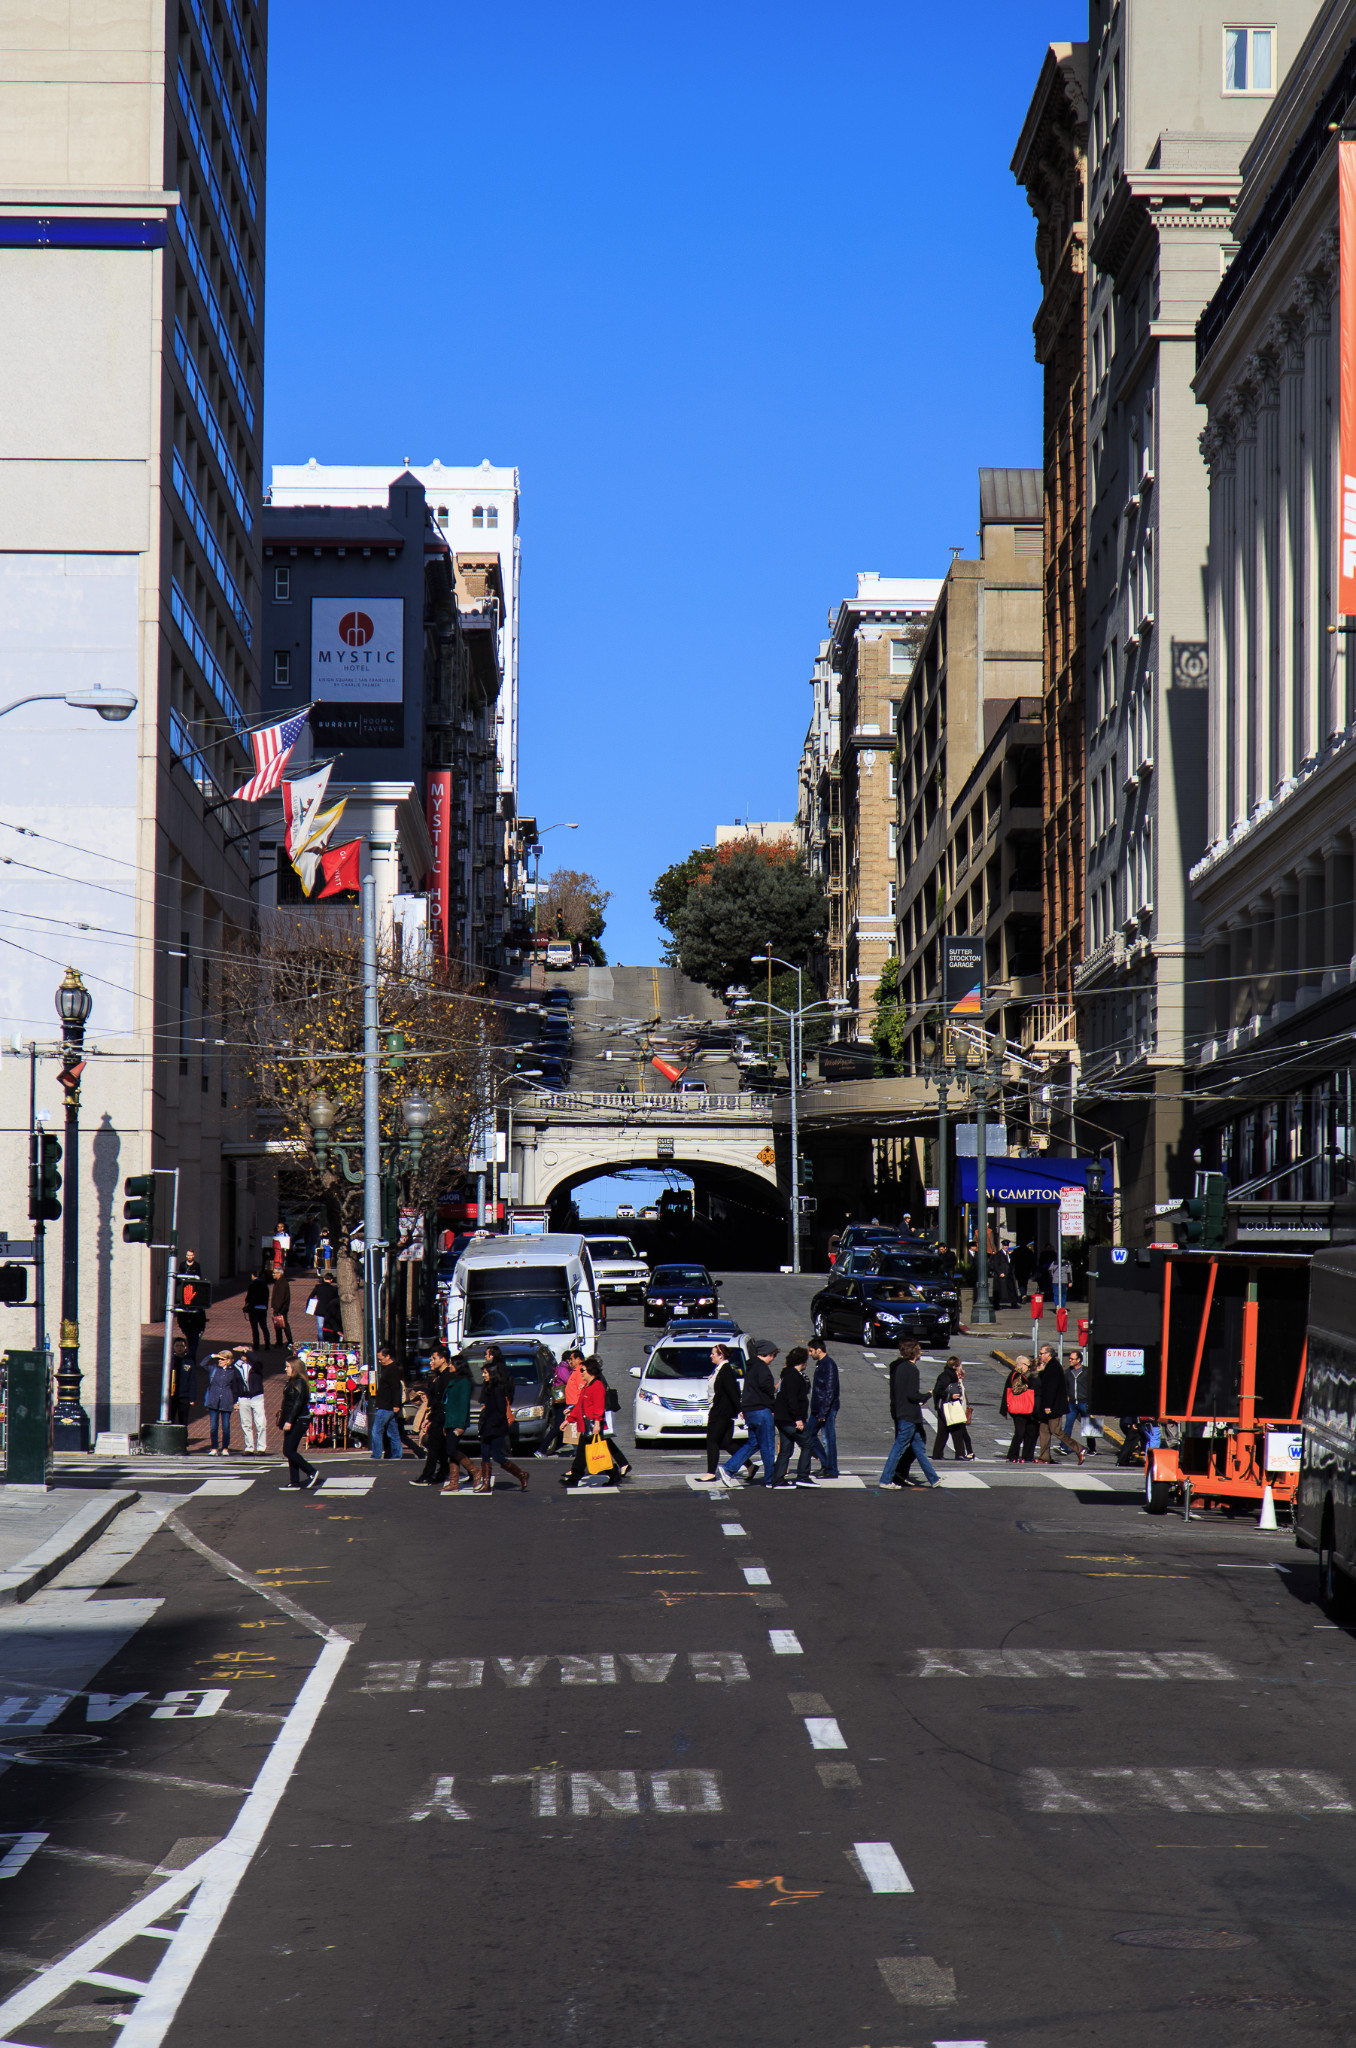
521,1366
888,1290
912,1268
611,1248
532,1298
682,1362
682,1276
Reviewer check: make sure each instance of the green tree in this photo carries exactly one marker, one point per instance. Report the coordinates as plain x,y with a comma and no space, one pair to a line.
748,898
572,906
669,894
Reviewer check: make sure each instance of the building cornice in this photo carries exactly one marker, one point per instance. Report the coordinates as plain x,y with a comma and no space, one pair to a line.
1145,202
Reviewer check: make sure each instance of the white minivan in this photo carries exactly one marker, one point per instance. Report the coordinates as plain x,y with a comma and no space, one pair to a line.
538,1287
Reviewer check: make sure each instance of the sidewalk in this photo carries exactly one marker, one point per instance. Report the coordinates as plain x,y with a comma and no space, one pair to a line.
228,1324
40,1533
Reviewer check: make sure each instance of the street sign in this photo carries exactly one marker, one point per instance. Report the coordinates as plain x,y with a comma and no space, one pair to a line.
767,1157
963,977
1071,1212
932,1198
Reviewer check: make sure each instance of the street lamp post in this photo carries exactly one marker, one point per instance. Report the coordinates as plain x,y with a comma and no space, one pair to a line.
561,825
114,705
70,1425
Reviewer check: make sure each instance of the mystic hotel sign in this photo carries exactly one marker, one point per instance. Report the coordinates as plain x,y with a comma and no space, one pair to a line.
358,671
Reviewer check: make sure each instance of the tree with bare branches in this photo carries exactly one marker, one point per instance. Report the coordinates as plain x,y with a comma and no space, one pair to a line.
292,1004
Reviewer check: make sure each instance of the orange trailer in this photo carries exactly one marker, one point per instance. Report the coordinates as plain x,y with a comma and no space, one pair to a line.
1208,1350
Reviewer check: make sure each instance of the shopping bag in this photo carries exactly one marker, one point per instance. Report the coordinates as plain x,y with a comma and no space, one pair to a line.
597,1456
955,1414
1022,1403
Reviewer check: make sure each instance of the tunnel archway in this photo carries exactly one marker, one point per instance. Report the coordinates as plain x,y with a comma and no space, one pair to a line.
740,1218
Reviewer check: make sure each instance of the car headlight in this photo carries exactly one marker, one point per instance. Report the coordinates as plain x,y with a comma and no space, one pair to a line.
529,1414
644,1394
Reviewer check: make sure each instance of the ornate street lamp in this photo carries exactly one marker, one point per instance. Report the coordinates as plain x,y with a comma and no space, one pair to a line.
70,1424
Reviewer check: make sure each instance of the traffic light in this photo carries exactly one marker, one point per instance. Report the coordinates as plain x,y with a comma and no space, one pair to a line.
1204,1214
191,1293
138,1209
13,1284
44,1177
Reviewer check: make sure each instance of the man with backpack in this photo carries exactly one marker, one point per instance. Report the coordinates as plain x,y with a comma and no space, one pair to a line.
906,1407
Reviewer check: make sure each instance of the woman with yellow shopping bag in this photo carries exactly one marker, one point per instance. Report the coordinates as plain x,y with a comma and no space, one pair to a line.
596,1453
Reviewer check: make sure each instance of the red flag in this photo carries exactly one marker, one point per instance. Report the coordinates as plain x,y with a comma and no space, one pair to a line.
670,1073
340,864
1346,222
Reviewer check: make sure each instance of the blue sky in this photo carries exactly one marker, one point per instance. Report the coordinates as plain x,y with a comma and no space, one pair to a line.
745,292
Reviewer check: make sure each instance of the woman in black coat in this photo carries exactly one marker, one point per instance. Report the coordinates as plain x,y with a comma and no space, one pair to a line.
790,1411
726,1395
294,1416
495,1426
950,1387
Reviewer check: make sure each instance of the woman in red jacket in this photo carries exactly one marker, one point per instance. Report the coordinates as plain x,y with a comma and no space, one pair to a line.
589,1416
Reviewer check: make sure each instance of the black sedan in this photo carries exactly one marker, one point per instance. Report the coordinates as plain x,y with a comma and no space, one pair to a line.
874,1309
931,1277
675,1292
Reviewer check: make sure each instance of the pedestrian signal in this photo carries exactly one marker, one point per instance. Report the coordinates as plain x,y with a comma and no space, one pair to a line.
44,1177
138,1209
13,1284
192,1294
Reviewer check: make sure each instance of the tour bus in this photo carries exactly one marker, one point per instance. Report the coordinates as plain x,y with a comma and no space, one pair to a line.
537,1287
1325,1504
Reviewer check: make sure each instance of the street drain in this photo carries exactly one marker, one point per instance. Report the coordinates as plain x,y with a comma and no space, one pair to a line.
1184,1937
36,1745
1242,2001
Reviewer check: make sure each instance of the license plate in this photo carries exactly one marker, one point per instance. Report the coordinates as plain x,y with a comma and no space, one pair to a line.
679,1309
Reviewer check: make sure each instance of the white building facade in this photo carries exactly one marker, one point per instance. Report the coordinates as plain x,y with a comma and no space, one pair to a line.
131,355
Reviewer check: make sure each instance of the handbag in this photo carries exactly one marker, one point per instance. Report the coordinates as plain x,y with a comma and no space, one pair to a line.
597,1456
955,1414
1023,1403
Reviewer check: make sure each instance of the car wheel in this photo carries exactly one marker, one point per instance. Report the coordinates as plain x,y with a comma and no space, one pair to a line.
1155,1492
820,1328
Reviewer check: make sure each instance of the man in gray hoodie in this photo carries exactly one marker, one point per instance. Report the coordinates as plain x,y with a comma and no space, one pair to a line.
760,1391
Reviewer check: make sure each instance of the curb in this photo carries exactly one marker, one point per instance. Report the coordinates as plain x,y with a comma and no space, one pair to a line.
76,1535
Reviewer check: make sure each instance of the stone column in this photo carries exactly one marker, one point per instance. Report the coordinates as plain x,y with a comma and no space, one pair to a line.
1264,366
1313,939
1244,690
1286,899
1288,595
1262,913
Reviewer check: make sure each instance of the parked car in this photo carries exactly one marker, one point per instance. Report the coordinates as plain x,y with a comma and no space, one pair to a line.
531,1369
619,1272
679,1291
673,1398
876,1310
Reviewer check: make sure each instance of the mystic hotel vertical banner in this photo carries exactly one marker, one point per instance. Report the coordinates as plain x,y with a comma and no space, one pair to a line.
439,813
358,671
1346,217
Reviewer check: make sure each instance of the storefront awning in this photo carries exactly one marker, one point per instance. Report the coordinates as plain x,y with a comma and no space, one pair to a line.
1023,1180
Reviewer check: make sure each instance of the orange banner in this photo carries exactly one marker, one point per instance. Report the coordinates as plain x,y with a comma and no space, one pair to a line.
1346,574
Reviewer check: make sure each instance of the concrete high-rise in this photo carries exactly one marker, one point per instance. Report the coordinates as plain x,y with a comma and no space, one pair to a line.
132,194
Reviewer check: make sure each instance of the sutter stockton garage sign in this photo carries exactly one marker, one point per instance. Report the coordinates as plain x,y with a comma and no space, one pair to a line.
358,670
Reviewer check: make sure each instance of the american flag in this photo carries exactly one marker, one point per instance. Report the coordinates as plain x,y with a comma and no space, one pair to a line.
271,745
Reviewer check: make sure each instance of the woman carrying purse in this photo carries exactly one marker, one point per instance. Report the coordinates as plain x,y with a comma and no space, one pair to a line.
950,1407
1019,1402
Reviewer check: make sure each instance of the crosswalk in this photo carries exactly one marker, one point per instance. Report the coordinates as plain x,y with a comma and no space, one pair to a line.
1079,1480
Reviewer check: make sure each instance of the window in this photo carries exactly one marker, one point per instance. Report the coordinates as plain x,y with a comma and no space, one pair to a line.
282,586
282,669
1248,55
894,842
492,515
892,899
477,515
441,515
900,663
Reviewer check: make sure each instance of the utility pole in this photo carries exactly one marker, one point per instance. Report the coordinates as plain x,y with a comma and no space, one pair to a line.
982,1311
39,1227
371,1118
943,1130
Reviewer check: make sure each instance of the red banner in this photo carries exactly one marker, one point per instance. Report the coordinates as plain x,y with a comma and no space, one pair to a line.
1346,187
439,813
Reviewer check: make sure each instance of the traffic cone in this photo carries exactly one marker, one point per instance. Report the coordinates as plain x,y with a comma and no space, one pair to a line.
1267,1518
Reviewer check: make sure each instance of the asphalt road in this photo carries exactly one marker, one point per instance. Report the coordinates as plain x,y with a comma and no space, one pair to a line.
1015,1764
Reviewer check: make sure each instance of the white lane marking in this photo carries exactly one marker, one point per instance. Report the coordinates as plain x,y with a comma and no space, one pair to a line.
881,1867
1272,1566
449,1674
824,1732
1041,1664
733,1529
1120,1789
213,1877
960,2044
21,1847
754,1575
785,1642
918,1980
846,1482
1073,1481
963,1482
220,1488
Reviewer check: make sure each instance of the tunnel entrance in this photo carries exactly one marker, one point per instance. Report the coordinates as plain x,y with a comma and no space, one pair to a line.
735,1219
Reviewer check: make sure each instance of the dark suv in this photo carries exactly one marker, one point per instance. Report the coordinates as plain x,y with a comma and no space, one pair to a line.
675,1292
531,1370
877,1309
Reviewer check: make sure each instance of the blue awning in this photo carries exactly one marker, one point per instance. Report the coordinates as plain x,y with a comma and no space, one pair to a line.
1022,1180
